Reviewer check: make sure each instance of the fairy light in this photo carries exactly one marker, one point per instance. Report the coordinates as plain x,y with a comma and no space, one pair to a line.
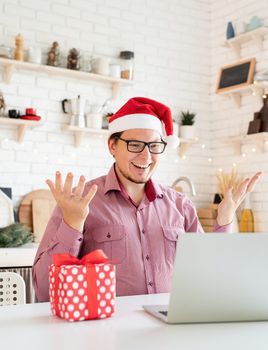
176,160
184,157
203,146
220,170
253,149
209,160
234,165
244,155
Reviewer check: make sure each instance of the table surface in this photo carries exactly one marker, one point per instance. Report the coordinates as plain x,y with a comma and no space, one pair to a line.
32,326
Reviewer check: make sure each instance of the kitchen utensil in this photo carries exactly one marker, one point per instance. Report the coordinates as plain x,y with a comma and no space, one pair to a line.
30,117
25,211
76,108
14,113
41,212
30,111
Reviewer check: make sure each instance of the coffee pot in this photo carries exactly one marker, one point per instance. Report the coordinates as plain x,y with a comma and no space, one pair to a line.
76,108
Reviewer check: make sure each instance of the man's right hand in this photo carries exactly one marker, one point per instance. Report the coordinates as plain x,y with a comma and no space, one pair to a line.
74,206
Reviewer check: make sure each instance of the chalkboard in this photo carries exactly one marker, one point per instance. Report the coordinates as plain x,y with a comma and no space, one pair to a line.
236,75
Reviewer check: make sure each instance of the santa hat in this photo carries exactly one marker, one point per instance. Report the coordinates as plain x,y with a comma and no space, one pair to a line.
144,113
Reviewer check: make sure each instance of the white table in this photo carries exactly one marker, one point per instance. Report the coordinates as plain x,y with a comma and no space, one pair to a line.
32,326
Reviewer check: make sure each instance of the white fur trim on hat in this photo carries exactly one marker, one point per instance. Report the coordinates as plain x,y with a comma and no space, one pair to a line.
136,121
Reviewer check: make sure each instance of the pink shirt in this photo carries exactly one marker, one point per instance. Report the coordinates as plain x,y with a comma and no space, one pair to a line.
141,239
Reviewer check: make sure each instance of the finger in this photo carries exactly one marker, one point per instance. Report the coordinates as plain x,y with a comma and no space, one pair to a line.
241,190
91,193
51,186
253,181
58,182
67,188
78,191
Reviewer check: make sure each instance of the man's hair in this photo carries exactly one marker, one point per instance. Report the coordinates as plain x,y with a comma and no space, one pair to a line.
115,136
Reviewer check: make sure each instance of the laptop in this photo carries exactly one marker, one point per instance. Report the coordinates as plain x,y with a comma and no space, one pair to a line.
218,277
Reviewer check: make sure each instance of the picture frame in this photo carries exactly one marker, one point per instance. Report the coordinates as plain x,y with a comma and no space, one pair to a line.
236,75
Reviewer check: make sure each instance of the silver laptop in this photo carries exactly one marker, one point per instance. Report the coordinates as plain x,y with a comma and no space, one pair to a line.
219,277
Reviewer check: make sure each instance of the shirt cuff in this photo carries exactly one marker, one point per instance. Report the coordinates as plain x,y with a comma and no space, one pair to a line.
225,228
69,236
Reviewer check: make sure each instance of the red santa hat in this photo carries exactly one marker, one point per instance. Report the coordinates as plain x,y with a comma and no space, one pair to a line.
144,113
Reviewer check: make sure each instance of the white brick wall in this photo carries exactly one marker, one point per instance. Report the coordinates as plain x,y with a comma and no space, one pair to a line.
227,120
172,55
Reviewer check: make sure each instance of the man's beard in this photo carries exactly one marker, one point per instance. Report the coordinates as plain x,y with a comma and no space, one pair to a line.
129,178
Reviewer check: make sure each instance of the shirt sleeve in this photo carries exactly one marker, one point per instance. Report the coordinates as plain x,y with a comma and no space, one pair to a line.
58,238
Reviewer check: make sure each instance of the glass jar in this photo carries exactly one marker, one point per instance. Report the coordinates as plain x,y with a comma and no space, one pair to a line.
127,64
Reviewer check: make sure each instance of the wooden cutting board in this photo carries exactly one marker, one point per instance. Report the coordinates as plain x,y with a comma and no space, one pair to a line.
35,210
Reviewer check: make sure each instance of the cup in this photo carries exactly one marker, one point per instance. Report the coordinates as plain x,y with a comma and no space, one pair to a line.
14,113
34,55
100,65
94,120
30,111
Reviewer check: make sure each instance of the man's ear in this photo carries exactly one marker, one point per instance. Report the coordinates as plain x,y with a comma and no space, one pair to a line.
111,145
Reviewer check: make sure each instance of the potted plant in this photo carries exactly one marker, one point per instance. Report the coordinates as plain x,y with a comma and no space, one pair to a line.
187,130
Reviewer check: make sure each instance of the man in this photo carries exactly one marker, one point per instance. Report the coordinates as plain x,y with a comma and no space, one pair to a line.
132,218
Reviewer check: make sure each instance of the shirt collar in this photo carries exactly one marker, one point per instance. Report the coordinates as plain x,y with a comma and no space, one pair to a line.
152,189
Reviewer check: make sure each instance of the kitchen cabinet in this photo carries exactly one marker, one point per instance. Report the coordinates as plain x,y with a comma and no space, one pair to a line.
20,124
256,36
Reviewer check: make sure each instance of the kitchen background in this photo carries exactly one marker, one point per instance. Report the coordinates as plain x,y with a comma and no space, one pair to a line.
178,49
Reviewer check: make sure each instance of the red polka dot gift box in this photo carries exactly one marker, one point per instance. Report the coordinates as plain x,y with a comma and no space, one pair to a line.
82,289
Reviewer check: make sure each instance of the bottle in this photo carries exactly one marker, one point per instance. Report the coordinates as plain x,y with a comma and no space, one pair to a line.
230,31
127,64
247,218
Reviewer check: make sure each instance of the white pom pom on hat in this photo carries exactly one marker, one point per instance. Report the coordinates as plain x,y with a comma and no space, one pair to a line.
144,113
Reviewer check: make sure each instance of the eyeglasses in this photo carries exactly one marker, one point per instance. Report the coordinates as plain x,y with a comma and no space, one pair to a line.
136,146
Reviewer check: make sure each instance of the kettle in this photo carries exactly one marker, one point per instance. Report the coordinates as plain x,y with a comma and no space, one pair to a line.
76,108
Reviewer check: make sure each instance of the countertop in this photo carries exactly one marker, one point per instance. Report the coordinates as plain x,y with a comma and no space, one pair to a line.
18,257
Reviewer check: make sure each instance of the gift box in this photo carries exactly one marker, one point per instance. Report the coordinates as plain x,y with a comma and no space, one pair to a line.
82,289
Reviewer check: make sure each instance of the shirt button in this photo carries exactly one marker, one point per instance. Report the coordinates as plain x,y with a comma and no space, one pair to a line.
108,235
150,283
160,195
80,239
147,257
143,231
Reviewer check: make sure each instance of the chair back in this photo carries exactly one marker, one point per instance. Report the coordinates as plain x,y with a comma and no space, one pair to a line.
12,289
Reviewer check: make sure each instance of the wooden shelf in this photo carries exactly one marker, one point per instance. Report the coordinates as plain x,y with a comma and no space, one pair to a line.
256,35
186,144
21,125
257,89
10,65
79,133
249,143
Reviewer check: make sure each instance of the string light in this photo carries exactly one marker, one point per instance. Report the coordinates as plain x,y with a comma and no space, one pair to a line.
220,170
234,165
184,157
209,160
203,145
244,155
253,149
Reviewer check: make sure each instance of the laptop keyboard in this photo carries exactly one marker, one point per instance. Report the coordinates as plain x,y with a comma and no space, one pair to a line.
163,313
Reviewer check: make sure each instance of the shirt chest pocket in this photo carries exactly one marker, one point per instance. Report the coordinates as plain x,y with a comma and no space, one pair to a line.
170,241
112,240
